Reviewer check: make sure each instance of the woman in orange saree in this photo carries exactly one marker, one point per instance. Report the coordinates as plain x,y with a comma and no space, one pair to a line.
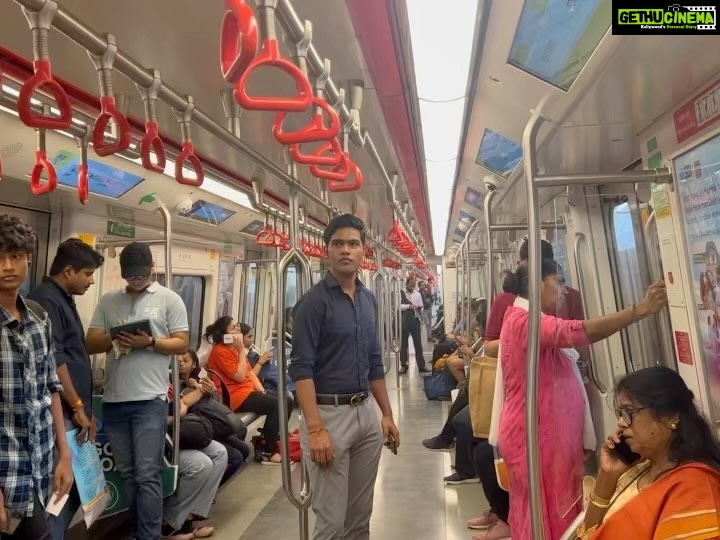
672,491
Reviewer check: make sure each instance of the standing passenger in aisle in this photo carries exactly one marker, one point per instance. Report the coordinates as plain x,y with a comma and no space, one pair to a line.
336,364
411,306
71,273
135,398
30,405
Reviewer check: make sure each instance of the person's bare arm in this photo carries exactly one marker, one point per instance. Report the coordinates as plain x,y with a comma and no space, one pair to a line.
97,341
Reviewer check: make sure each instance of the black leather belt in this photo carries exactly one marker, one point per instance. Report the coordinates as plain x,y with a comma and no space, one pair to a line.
342,399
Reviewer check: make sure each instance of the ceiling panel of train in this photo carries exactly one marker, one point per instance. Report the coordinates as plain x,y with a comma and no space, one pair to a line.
627,82
182,40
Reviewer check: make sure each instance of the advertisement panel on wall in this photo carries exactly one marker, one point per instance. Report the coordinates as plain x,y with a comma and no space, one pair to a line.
698,176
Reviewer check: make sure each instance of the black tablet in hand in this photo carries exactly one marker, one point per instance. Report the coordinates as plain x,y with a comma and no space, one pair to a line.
131,328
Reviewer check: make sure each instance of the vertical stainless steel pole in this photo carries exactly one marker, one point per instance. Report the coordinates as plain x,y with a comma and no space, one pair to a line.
489,263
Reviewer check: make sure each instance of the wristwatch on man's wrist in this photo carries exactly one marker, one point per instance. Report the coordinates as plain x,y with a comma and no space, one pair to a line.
152,342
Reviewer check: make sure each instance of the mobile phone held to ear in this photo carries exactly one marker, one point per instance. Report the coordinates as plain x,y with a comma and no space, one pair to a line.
624,454
228,339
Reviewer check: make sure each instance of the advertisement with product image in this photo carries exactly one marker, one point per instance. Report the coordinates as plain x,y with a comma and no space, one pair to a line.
698,177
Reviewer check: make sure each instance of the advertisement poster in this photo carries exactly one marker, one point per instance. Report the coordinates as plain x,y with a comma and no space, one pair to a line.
698,176
89,478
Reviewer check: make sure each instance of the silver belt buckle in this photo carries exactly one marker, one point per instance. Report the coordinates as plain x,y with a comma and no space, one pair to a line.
358,399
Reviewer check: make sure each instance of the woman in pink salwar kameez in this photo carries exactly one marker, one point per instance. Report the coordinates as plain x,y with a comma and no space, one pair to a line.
561,398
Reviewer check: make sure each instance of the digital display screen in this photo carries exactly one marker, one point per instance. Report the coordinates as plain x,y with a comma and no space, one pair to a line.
102,179
207,212
555,38
498,153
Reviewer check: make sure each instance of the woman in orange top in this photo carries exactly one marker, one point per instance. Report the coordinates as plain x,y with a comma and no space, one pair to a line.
228,359
673,488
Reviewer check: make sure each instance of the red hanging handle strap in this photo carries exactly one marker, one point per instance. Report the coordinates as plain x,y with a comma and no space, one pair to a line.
188,150
238,39
40,22
83,184
315,130
338,187
339,172
42,164
108,112
270,57
151,141
320,155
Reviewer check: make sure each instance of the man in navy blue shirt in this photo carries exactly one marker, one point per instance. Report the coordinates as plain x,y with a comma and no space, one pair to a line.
71,273
336,365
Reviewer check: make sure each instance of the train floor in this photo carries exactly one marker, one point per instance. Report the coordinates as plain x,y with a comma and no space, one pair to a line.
411,500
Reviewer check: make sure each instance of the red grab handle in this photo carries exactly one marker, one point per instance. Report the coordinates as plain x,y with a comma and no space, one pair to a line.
270,56
238,39
188,153
42,163
314,131
108,111
43,77
266,237
82,183
151,141
338,187
317,157
339,172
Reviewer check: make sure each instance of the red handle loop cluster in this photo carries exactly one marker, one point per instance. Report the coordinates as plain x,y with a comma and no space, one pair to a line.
318,156
387,262
401,241
43,78
314,131
270,56
238,39
420,263
368,264
339,172
42,163
151,142
188,154
356,184
108,112
266,237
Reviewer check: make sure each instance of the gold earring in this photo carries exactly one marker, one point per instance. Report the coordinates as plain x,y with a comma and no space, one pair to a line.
673,426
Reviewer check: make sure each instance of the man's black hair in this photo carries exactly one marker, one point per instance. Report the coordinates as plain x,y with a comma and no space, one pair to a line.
345,221
546,250
77,254
15,235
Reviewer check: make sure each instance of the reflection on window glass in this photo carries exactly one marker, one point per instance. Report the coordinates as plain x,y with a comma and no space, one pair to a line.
192,291
555,38
291,296
226,284
252,289
29,283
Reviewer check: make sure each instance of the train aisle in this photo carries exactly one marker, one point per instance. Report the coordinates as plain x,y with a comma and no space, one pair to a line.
410,498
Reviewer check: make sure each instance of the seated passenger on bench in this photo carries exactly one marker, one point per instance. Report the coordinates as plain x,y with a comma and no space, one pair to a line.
267,365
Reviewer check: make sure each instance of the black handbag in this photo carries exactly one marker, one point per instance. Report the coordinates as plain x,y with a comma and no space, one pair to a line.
218,414
196,432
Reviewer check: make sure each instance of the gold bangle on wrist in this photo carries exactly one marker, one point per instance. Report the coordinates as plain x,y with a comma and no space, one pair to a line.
599,502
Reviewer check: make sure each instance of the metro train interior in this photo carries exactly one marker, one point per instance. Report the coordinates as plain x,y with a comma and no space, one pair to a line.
227,134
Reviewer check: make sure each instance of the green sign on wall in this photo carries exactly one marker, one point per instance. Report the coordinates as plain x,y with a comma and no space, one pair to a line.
117,228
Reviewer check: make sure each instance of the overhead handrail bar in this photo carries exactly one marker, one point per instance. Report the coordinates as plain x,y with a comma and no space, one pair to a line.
656,274
77,31
84,36
490,267
503,227
592,368
303,270
534,181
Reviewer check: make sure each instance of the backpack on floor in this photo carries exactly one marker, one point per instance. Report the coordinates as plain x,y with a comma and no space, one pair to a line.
439,385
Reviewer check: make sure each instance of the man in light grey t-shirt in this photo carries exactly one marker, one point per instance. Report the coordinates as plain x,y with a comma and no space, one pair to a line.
135,405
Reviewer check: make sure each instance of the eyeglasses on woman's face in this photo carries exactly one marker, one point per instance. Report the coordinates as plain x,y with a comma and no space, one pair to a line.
627,414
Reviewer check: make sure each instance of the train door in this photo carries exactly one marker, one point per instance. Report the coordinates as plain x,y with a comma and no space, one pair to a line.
630,251
40,223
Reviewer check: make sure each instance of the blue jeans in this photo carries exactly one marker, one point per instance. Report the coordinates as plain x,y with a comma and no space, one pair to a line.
60,524
136,431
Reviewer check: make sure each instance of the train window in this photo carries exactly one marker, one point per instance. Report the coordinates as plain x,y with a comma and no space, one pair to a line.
252,293
29,283
226,286
192,291
291,287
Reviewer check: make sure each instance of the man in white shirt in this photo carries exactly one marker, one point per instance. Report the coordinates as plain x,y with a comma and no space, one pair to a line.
411,305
